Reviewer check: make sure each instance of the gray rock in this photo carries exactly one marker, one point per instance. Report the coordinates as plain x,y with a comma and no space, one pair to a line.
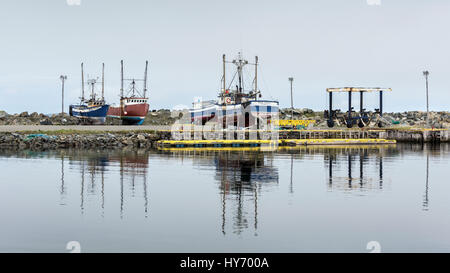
45,121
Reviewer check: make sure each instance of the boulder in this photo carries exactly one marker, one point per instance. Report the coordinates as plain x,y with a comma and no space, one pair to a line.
34,115
45,121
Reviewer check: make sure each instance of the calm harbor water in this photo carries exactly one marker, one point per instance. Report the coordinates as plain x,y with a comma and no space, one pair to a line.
293,200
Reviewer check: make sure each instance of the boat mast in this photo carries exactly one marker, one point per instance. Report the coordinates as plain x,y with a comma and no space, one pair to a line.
121,79
92,82
103,82
240,72
82,83
145,80
224,82
240,64
256,77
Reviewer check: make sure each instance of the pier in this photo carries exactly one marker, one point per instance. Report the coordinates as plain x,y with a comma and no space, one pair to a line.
267,143
417,135
48,137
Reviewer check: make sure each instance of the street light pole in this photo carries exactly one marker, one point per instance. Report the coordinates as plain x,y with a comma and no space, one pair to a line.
291,79
63,79
426,73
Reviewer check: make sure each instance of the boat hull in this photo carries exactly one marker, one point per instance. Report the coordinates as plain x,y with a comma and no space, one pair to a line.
259,108
95,114
131,114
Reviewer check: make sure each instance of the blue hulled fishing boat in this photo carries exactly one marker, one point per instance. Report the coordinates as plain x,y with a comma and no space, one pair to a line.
92,110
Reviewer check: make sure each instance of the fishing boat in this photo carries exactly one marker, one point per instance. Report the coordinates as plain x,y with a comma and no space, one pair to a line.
134,105
235,103
92,110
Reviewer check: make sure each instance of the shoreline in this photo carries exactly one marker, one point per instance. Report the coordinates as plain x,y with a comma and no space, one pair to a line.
61,137
81,129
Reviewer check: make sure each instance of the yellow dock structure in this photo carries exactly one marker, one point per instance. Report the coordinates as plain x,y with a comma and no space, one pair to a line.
363,141
217,143
311,137
267,143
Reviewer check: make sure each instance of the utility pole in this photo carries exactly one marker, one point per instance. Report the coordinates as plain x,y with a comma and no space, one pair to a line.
145,79
426,73
291,79
82,84
63,79
121,79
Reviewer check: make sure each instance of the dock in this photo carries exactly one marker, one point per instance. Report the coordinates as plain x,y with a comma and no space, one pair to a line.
361,141
164,137
267,143
417,135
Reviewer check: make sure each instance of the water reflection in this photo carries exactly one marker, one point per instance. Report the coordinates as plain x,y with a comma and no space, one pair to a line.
92,165
355,162
241,175
348,161
347,167
425,197
62,190
242,178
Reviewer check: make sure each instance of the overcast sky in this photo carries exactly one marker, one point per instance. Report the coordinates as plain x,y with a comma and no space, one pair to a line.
321,43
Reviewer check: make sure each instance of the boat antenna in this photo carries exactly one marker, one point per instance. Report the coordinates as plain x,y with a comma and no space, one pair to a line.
82,83
145,79
121,78
103,82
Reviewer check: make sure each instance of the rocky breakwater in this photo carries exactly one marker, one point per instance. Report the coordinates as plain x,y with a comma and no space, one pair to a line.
85,141
155,117
35,118
439,120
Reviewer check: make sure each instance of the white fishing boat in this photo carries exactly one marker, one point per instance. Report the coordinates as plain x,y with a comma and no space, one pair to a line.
235,103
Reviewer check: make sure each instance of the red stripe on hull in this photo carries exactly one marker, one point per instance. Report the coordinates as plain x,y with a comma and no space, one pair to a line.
133,110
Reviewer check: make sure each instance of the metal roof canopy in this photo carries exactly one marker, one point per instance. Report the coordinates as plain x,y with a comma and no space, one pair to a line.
358,89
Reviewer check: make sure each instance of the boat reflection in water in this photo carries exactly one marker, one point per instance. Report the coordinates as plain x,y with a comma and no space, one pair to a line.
241,178
296,199
92,166
242,174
